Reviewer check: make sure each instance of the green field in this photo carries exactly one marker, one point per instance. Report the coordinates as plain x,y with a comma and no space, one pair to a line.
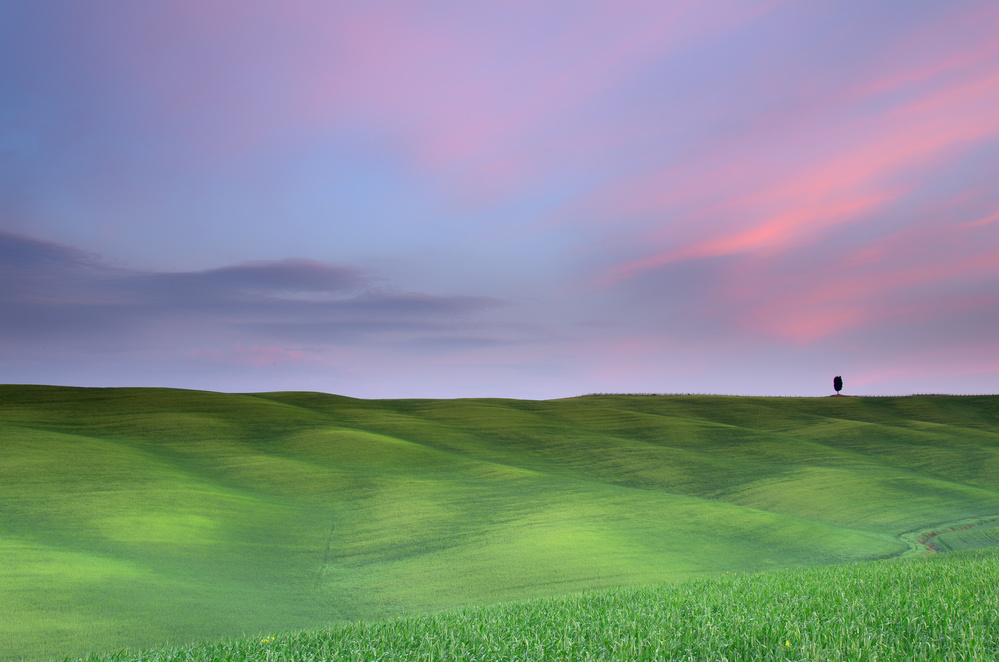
934,608
966,535
144,517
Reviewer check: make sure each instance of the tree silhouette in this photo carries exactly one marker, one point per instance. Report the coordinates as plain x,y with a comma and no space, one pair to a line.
838,384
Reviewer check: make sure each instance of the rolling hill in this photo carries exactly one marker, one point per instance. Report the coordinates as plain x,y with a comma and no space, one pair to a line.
133,517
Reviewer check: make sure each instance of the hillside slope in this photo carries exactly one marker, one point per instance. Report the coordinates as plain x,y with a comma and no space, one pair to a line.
140,516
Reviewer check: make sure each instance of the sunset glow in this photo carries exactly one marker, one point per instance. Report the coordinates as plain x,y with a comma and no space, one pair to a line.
422,199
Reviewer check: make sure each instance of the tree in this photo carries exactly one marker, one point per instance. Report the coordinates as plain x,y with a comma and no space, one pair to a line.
838,384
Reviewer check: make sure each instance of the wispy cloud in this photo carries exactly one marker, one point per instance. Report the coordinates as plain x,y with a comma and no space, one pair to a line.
876,161
253,356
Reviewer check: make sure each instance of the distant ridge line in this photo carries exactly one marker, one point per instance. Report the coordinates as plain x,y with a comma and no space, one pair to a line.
734,395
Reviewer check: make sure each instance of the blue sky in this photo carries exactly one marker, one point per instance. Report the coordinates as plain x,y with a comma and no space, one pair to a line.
432,199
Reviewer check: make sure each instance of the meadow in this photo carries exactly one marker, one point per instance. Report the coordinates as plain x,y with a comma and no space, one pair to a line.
157,517
936,608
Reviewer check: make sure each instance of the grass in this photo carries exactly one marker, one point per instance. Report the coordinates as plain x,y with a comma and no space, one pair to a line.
936,608
139,517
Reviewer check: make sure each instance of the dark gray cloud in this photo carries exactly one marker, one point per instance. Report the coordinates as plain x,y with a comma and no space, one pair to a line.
33,270
280,280
18,252
338,331
48,291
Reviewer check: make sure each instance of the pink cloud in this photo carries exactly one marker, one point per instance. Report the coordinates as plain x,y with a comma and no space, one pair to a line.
985,220
478,88
458,93
842,174
940,267
929,51
253,356
881,286
778,232
931,367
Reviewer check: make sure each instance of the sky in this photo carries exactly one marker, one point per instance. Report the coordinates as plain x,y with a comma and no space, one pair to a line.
501,199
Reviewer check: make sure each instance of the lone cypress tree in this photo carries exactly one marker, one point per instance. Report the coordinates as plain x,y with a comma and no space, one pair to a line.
838,384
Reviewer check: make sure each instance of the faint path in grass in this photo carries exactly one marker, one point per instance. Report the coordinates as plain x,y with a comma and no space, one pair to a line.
326,556
970,533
